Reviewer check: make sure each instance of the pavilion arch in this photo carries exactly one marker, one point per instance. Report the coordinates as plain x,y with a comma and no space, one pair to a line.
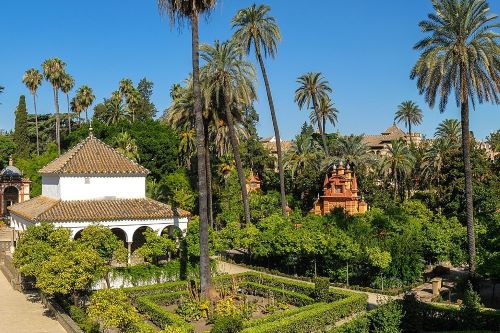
121,235
172,231
138,238
77,235
10,197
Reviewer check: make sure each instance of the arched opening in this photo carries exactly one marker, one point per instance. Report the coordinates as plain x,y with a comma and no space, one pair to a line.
138,240
121,235
78,235
10,197
173,232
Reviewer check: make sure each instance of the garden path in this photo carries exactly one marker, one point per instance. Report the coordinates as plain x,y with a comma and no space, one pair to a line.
373,298
23,313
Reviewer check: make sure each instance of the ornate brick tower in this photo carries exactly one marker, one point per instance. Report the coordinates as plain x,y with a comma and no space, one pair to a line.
340,189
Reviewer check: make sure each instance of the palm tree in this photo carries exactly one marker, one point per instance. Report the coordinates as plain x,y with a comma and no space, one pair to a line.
131,95
114,108
53,71
187,144
189,10
33,79
462,53
76,107
433,160
126,145
67,84
229,79
327,111
399,162
409,113
449,130
255,27
312,88
85,98
304,153
352,149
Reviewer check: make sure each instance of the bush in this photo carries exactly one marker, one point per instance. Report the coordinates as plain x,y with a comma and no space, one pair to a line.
228,324
321,288
360,324
282,295
161,317
470,308
387,318
80,317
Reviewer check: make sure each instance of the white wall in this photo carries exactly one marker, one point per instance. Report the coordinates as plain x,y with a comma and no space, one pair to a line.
50,186
85,188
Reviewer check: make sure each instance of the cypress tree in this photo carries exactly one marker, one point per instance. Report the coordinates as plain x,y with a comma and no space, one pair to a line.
21,137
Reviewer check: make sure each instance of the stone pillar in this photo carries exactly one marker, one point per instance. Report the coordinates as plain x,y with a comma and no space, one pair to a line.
436,286
129,247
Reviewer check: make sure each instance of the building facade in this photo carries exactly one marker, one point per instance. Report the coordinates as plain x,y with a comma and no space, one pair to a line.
92,183
340,190
14,188
380,143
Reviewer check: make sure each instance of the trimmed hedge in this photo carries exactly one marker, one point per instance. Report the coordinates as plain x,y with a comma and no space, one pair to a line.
285,296
313,319
161,317
360,324
161,288
168,298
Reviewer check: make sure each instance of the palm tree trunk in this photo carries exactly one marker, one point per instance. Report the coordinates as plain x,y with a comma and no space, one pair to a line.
209,179
205,277
36,126
468,187
409,132
276,131
86,116
324,124
58,121
237,158
320,127
69,116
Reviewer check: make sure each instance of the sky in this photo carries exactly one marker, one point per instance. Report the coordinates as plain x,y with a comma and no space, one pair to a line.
363,48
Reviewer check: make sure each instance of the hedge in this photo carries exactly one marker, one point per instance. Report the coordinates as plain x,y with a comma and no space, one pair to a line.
285,296
161,288
313,319
360,324
161,317
168,298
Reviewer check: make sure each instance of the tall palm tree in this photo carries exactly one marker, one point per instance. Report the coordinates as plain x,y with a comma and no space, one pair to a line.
449,130
53,71
131,95
114,108
461,53
304,153
67,84
32,78
230,80
327,111
352,149
409,113
76,107
187,144
433,160
190,10
256,28
85,98
312,88
399,162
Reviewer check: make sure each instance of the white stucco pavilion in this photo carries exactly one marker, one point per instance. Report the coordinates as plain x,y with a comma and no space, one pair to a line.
93,183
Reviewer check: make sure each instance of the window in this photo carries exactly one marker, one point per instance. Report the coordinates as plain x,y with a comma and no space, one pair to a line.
338,189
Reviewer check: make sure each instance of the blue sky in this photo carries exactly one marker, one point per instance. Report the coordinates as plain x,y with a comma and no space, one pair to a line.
364,48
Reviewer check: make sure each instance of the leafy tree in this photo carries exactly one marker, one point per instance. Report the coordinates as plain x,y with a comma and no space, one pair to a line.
231,79
387,318
155,246
107,245
461,54
126,145
494,140
20,137
32,79
147,109
54,71
255,27
313,88
70,272
192,240
30,167
176,190
380,260
7,148
111,308
409,113
36,245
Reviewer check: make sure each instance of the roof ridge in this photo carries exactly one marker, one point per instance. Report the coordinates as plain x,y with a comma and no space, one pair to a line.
71,152
123,155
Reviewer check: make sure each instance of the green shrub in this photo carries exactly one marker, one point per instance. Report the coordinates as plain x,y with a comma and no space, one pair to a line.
386,318
228,324
161,317
360,324
470,308
321,288
282,295
80,317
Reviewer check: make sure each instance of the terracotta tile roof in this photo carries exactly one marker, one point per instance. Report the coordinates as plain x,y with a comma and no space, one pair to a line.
92,156
390,134
46,209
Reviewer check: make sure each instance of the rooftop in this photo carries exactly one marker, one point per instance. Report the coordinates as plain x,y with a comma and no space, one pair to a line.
92,156
44,209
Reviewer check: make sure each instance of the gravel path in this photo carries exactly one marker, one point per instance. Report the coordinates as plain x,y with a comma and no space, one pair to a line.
23,313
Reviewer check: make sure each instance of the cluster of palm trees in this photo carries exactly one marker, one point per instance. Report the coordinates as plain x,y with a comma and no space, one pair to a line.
54,72
461,54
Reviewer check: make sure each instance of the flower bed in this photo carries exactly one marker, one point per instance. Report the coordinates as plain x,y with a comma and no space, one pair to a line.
306,315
